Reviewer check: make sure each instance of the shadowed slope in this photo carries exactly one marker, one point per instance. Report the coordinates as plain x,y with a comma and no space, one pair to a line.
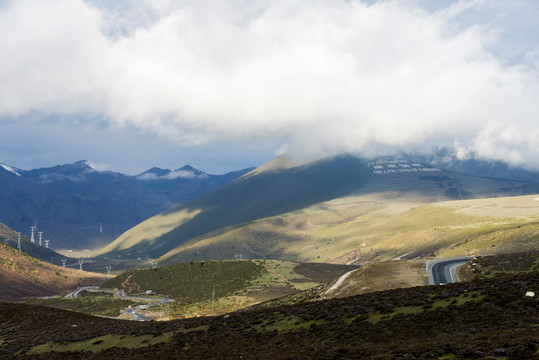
256,195
287,208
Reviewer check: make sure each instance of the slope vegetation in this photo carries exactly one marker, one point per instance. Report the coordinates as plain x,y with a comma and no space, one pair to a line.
23,276
256,195
301,211
483,319
215,287
378,227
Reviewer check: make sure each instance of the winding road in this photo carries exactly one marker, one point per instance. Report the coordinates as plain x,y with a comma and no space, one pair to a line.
121,294
444,271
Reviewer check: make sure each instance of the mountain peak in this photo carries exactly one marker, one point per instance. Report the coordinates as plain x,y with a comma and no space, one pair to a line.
185,172
189,168
10,169
84,164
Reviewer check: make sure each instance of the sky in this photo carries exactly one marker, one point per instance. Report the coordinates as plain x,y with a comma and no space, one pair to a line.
228,84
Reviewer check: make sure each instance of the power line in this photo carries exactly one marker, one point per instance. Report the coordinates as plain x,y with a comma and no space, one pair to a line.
99,226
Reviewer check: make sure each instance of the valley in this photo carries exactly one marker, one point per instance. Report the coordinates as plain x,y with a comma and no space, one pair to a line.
280,180
291,255
395,323
78,206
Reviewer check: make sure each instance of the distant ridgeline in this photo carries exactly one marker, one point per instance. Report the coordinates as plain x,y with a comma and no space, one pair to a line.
382,167
79,206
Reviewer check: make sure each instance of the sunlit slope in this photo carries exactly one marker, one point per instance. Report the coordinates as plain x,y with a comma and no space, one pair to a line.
235,212
24,276
278,187
378,227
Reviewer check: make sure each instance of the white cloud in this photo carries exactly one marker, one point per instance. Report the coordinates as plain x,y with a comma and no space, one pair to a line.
176,174
321,76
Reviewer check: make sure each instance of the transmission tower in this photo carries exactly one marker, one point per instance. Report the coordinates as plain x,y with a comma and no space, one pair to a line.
81,261
100,228
40,233
47,243
238,256
63,262
19,241
154,264
33,228
108,267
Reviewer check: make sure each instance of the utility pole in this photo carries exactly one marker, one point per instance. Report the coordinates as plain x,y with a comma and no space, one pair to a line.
19,241
33,228
40,233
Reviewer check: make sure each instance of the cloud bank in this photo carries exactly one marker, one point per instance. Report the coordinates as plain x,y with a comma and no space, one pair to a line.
316,77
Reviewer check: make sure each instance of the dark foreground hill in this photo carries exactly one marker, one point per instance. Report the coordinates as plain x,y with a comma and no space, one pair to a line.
483,319
78,206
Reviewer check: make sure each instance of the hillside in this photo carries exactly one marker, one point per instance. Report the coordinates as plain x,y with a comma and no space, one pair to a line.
489,318
216,287
23,276
378,227
410,273
277,205
10,237
78,206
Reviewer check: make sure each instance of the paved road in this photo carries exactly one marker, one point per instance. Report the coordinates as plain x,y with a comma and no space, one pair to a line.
120,293
75,293
444,271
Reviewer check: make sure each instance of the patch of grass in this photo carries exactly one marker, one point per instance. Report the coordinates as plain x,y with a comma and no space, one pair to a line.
190,282
500,265
448,357
434,304
101,343
288,324
205,308
104,342
90,303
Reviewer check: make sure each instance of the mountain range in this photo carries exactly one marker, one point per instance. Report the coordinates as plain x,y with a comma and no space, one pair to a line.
293,210
78,206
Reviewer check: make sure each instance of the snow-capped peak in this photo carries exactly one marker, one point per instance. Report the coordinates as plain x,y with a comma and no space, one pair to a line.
10,169
84,163
91,165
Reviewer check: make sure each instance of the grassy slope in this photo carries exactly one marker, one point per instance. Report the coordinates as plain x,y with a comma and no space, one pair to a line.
378,227
88,303
256,195
480,319
300,212
23,276
212,287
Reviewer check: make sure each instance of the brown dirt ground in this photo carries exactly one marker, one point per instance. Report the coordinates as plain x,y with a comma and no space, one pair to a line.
380,276
22,276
